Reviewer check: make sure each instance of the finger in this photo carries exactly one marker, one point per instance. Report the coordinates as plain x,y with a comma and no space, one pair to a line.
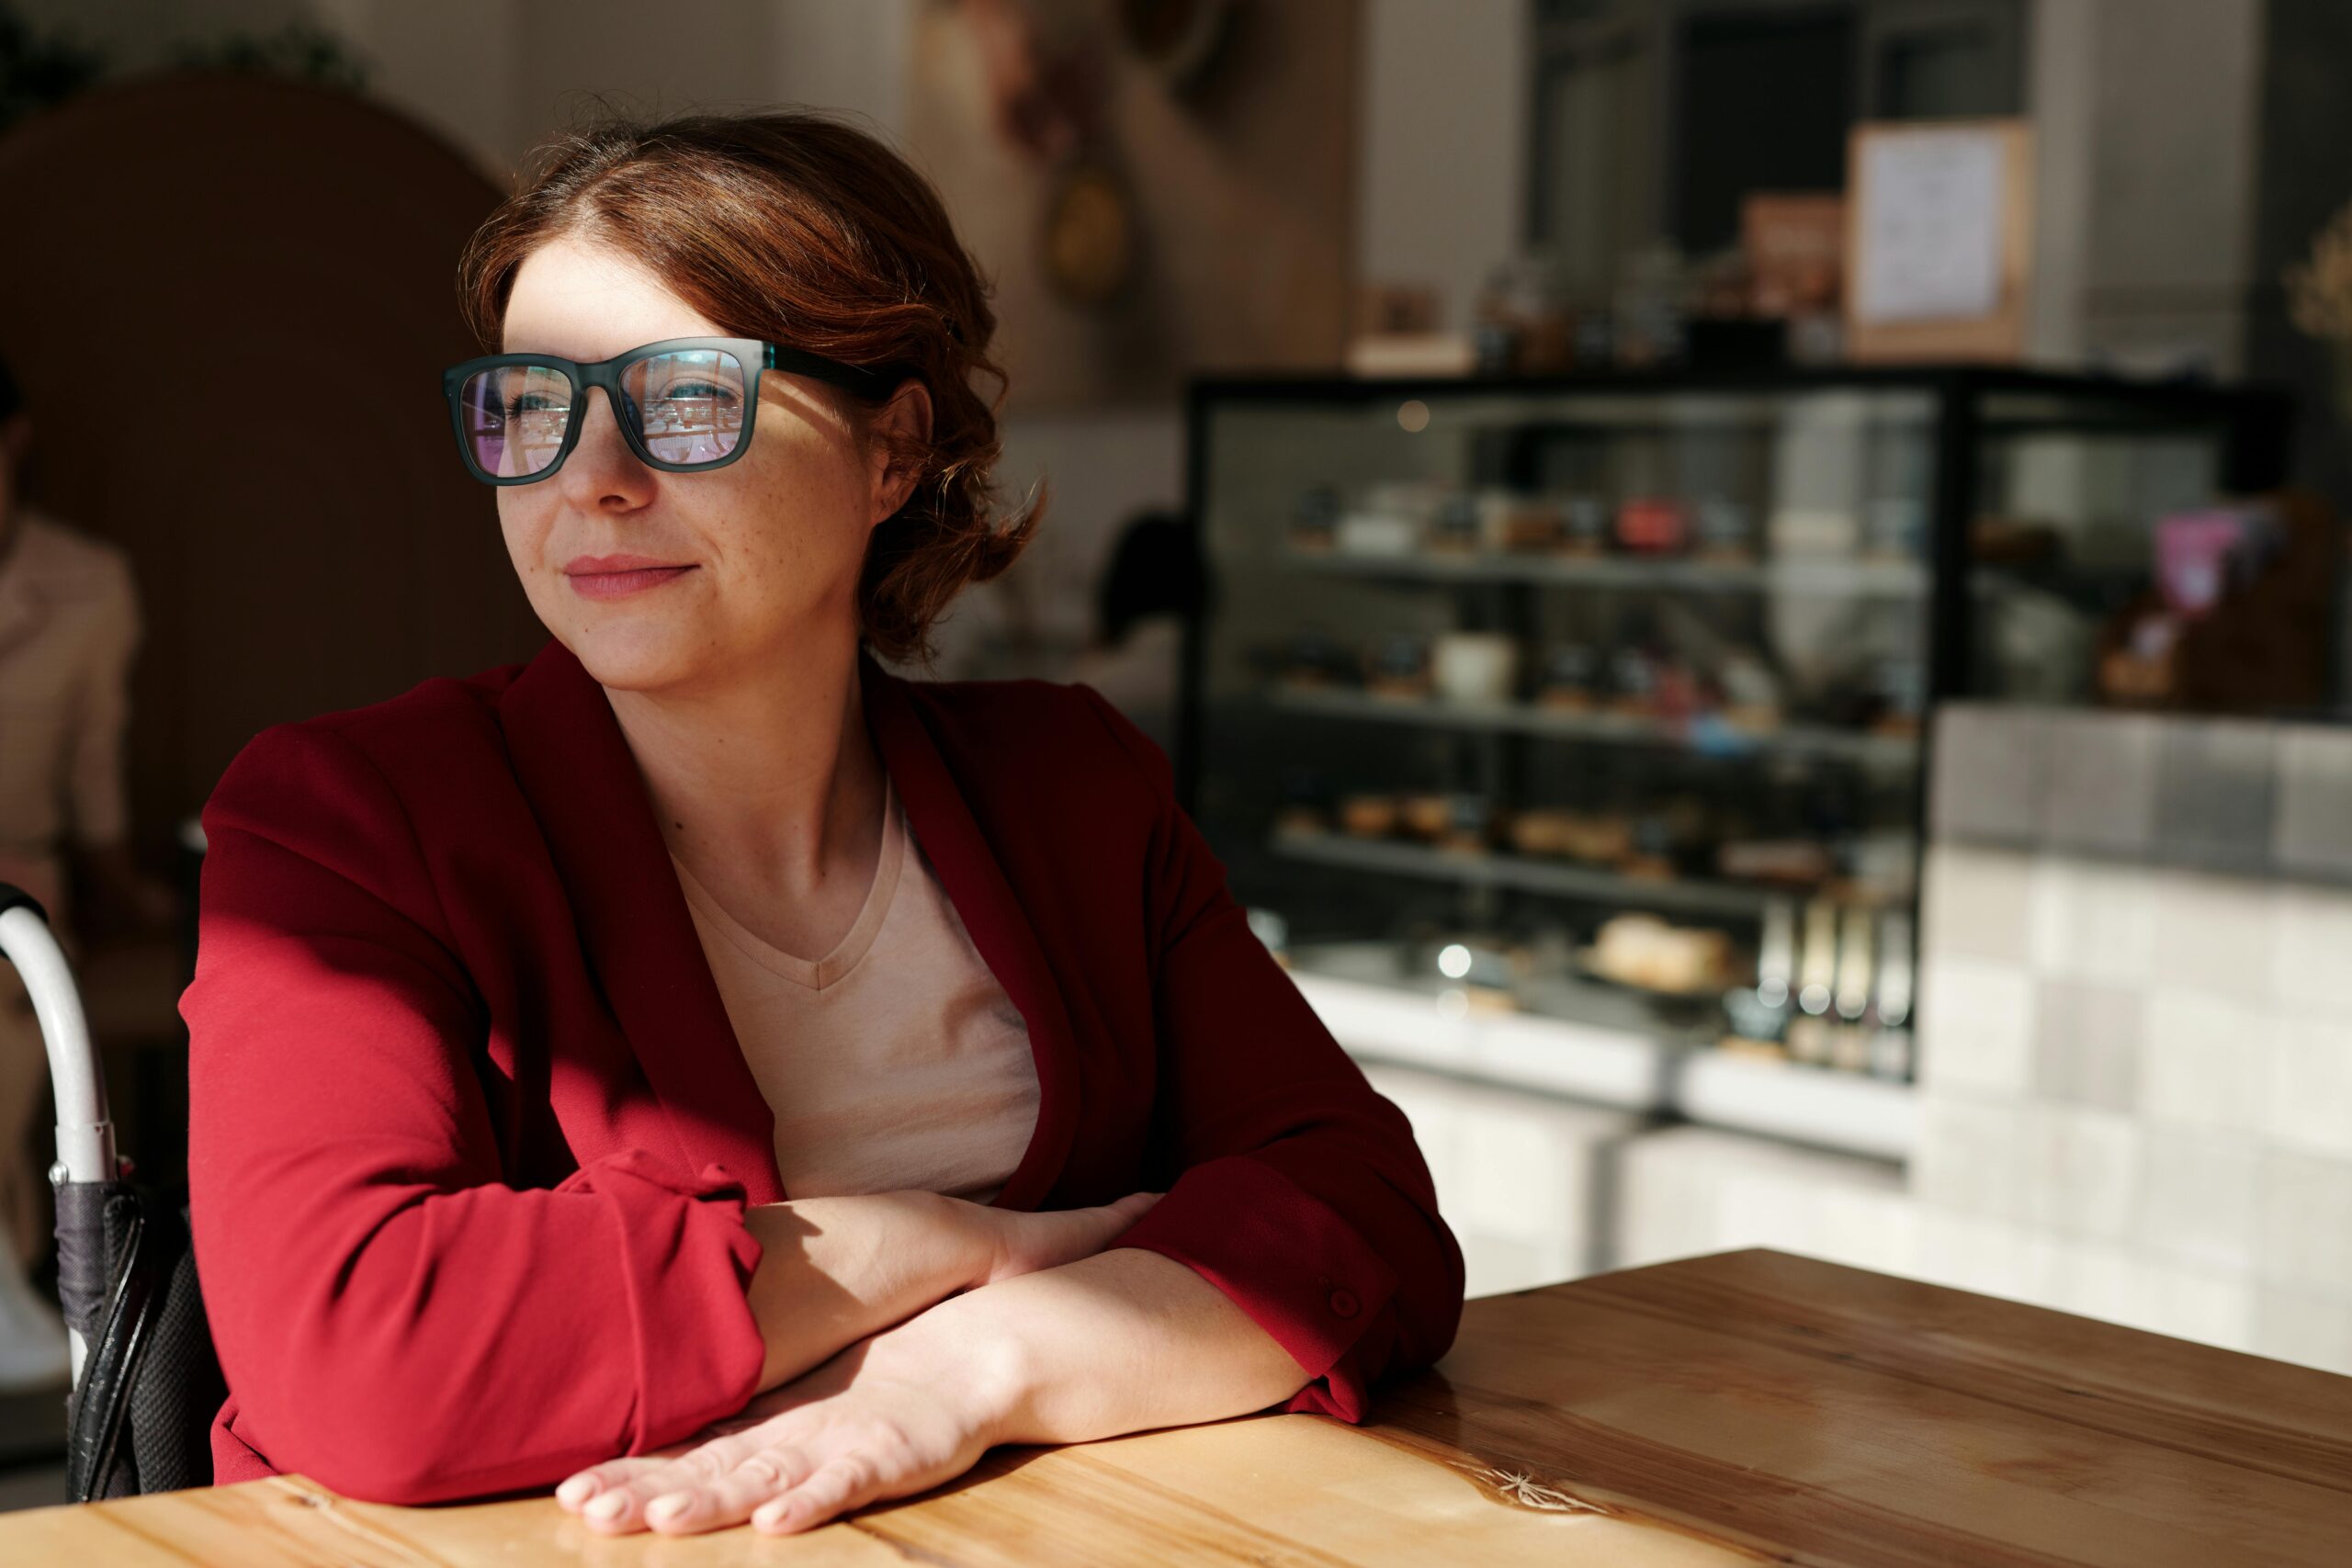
622,1506
729,1500
842,1484
579,1487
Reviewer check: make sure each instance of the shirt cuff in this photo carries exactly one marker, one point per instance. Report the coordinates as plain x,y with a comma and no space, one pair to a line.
1302,1272
687,1269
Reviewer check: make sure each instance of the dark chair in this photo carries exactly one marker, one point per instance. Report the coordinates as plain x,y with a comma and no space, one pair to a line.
146,1383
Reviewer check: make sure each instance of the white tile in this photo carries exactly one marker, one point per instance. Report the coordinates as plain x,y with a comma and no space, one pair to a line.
2298,1327
2216,933
2094,1280
2315,933
2205,1061
1977,902
2087,1044
2086,1172
2190,1303
1975,1026
2311,1087
2199,1198
1971,1157
2094,921
1992,1257
2305,1237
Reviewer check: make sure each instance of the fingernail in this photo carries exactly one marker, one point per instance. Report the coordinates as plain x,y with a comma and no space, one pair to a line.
579,1489
607,1508
669,1506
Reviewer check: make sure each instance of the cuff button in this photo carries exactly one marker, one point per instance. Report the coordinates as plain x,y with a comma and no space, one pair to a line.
1344,1302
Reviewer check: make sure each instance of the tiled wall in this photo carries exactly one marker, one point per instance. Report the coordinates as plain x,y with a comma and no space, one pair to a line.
2136,1059
2136,1022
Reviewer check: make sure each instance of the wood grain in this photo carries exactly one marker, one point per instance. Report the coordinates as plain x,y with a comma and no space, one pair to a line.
1725,1410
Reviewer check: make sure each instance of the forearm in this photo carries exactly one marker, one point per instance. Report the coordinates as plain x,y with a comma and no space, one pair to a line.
835,1271
1124,1341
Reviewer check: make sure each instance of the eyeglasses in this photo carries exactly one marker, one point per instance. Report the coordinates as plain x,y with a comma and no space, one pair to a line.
684,404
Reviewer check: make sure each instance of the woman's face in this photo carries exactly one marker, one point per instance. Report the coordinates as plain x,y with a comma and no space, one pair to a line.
742,567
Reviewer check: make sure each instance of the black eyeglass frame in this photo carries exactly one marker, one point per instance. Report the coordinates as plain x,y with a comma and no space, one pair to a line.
870,384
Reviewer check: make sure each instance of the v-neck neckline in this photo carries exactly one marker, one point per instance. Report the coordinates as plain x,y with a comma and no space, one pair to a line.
816,974
583,781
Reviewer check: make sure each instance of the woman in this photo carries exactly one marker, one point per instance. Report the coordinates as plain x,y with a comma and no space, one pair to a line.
527,1148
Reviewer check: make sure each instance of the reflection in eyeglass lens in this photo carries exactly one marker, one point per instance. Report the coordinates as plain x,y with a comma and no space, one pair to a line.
516,416
689,404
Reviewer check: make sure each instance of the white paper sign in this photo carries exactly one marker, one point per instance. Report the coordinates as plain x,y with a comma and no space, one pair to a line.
1930,227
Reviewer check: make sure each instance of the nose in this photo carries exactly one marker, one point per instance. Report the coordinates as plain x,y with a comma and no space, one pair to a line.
602,472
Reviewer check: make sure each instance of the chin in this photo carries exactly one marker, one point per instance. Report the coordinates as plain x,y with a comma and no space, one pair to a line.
632,657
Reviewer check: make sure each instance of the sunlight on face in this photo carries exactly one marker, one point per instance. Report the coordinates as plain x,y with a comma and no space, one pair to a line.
741,566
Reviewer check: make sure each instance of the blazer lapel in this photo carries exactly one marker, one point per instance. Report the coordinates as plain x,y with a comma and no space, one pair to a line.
969,872
575,766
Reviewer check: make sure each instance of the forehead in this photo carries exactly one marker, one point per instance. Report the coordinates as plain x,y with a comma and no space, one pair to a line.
586,301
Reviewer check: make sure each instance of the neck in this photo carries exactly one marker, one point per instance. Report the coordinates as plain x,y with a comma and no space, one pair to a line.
776,778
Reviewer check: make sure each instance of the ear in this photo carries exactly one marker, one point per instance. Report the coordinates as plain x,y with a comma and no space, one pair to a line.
906,418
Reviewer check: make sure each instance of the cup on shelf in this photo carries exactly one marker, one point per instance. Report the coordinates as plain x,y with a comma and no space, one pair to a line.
1474,667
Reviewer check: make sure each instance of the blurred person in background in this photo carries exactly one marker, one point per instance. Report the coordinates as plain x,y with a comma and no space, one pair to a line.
697,1066
69,625
1152,586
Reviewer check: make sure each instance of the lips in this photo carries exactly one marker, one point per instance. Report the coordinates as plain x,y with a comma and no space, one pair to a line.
597,565
617,577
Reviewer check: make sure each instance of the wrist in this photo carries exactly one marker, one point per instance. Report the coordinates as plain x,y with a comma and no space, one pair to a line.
977,1363
967,1237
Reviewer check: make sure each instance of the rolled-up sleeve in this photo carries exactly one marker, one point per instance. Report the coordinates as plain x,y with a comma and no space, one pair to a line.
1299,1191
393,1319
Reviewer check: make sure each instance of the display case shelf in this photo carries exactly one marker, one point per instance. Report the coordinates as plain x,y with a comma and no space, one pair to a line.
1534,875
1509,668
1886,579
1708,736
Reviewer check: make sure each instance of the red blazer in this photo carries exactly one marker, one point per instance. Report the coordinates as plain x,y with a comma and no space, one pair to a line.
470,1135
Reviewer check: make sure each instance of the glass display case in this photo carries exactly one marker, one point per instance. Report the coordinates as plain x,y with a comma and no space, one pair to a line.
1602,698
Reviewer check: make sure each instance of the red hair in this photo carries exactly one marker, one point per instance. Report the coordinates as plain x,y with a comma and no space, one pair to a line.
798,229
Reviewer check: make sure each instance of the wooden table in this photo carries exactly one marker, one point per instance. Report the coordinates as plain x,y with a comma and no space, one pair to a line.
1746,1408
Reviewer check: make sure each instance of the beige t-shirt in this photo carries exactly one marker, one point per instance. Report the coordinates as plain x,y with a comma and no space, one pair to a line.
896,1060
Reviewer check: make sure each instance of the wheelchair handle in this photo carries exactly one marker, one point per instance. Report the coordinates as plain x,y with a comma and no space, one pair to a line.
85,1148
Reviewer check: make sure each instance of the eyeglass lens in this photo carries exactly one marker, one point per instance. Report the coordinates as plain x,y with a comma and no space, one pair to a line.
686,406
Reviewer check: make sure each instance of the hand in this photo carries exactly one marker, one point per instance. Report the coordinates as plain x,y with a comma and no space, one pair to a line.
1023,1243
895,1413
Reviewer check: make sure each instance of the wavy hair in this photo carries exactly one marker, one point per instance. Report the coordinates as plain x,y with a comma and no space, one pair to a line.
794,226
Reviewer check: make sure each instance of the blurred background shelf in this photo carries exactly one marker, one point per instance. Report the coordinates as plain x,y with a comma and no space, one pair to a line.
1900,579
1620,1068
1707,736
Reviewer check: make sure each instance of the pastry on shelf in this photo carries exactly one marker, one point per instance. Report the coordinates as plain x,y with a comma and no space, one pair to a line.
1387,521
1542,830
1368,816
1584,526
1598,837
1650,955
1752,692
1571,674
1653,525
1455,528
1523,523
1466,826
1632,684
1315,520
1316,658
1475,668
1796,862
1725,530
1424,816
1399,667
1305,808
